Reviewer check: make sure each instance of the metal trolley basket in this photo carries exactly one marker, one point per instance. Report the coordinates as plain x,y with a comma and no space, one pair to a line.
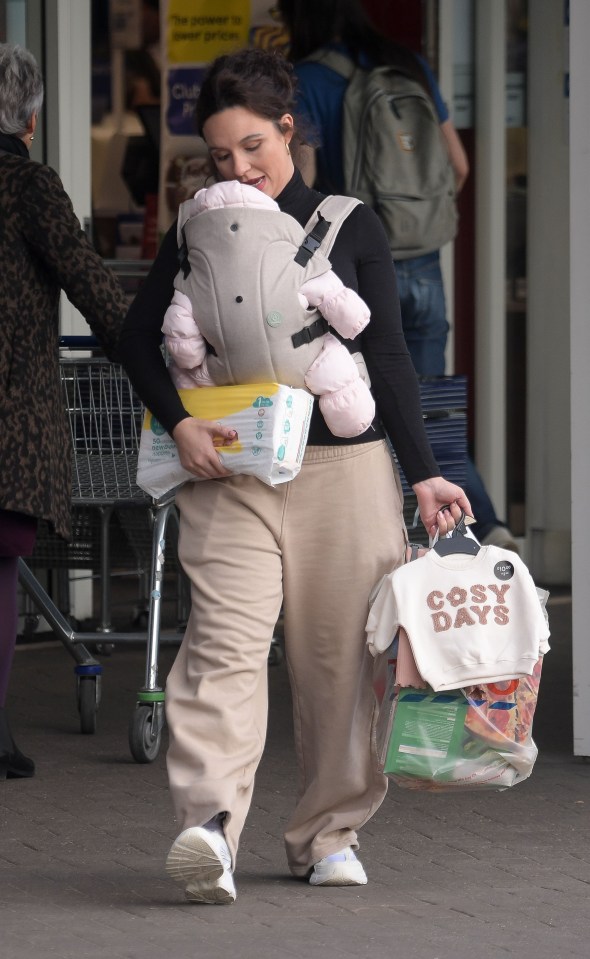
105,418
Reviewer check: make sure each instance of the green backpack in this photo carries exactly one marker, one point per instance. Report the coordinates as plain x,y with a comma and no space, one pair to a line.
394,156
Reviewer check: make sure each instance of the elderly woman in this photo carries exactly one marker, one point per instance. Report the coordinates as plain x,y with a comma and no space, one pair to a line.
43,250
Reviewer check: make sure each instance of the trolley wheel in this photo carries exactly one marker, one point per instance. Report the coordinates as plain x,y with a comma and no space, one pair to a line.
145,731
275,654
87,703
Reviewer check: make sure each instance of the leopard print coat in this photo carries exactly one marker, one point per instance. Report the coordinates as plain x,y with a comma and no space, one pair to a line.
43,250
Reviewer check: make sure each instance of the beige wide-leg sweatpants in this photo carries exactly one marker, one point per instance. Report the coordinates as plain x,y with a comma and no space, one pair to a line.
317,545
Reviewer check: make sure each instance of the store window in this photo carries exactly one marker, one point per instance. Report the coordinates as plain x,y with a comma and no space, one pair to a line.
148,58
125,128
13,21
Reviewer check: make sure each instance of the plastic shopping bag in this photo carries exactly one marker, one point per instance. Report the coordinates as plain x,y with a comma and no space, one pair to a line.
474,738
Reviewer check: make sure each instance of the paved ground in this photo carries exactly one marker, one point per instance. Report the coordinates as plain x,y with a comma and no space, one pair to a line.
82,844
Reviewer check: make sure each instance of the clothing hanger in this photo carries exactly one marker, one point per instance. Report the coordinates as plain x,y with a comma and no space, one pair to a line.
457,542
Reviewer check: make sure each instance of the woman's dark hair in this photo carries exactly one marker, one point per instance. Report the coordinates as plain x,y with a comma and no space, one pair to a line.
312,24
259,80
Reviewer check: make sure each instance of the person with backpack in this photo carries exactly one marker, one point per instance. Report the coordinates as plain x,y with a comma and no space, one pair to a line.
315,546
383,133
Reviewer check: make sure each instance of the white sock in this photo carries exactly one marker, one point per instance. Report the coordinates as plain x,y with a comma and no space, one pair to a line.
339,856
214,824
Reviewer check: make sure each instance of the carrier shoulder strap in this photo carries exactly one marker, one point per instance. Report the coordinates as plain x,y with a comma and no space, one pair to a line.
312,241
182,254
333,210
322,229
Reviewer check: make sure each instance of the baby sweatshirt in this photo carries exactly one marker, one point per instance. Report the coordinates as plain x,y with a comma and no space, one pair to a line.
470,619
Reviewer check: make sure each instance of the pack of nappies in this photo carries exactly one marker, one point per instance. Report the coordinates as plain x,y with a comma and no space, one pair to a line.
272,422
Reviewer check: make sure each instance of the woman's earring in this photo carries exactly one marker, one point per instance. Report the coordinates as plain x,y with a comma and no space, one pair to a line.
31,138
287,148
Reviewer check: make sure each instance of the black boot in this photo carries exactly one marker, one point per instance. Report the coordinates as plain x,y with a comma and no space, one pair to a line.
13,765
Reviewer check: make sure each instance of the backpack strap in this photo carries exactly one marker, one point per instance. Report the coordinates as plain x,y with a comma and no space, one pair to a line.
345,67
333,59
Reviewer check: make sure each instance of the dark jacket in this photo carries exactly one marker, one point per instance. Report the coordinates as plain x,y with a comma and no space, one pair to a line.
42,251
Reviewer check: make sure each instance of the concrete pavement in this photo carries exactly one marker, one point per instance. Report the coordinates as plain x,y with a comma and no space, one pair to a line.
82,844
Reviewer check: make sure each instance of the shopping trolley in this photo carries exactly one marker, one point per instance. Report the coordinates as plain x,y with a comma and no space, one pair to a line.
105,418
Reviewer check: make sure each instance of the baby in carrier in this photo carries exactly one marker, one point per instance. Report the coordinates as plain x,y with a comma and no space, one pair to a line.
253,304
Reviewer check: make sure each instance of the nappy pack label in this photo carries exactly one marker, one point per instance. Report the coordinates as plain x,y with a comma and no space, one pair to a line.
272,423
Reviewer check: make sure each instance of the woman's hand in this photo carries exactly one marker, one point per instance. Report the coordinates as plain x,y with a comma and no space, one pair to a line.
435,493
197,442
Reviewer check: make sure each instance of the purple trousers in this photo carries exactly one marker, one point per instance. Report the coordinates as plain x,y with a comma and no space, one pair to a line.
17,538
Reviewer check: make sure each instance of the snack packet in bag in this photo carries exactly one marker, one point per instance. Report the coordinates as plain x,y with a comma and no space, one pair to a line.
474,738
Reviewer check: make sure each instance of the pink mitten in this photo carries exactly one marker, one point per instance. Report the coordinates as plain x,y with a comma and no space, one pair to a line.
316,289
346,401
189,379
350,410
182,336
346,312
332,369
341,306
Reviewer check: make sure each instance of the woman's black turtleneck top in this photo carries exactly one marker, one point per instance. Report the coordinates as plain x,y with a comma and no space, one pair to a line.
361,258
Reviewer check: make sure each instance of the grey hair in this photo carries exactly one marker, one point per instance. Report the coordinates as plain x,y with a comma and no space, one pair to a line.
21,89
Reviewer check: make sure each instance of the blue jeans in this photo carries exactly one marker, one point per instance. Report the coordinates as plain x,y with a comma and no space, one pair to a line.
424,321
424,312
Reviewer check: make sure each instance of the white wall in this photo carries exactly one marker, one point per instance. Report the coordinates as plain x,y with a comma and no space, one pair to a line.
490,254
580,355
548,455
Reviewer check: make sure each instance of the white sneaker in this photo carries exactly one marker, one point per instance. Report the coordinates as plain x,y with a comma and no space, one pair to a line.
340,869
220,892
200,860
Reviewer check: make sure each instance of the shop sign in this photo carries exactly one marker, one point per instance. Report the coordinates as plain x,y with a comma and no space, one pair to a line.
199,32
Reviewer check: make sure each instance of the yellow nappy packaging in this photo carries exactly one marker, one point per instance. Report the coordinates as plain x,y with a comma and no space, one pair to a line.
271,420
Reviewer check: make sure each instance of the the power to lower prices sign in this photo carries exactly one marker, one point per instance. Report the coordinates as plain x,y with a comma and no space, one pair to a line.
197,32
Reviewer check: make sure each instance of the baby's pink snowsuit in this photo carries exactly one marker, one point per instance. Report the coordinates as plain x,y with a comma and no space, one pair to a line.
242,299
